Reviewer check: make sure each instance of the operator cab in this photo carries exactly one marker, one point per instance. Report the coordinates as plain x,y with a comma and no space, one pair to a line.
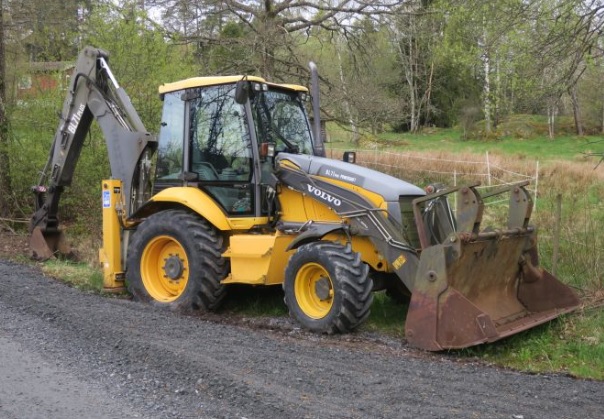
216,139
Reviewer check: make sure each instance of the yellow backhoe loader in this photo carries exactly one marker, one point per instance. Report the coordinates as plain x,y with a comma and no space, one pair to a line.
236,190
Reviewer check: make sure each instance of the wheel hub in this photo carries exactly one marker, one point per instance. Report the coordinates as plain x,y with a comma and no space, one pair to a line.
173,267
322,288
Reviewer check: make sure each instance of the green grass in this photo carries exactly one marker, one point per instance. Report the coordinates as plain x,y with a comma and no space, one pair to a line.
566,147
255,301
387,316
80,275
572,345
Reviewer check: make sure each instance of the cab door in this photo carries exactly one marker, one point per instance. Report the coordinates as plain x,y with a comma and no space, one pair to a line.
220,149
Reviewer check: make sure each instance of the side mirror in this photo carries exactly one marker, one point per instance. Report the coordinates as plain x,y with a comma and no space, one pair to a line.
242,92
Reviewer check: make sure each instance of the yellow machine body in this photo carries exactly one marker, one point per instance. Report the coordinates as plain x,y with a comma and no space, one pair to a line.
110,255
255,259
260,259
201,203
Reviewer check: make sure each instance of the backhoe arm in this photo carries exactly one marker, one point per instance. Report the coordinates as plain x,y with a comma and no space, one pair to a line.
93,93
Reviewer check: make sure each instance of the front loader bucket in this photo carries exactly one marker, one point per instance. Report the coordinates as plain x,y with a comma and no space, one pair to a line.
478,287
45,245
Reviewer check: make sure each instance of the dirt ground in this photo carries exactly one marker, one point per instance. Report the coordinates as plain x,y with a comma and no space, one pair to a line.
65,353
12,244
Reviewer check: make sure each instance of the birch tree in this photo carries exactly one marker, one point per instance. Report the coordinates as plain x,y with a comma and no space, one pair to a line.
485,30
414,35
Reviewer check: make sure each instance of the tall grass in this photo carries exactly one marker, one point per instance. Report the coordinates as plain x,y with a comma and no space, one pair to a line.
581,240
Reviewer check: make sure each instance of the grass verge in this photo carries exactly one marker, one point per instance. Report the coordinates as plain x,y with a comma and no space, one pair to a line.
79,275
573,345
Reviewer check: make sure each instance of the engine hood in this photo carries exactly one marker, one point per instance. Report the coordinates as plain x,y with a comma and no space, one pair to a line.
385,185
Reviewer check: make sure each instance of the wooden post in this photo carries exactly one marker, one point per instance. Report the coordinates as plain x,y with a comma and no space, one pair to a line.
488,170
455,194
557,222
536,186
375,157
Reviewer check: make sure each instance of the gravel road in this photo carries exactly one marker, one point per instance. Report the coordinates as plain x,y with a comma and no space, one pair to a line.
68,354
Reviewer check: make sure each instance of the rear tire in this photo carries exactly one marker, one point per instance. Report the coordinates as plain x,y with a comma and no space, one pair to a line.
328,288
175,261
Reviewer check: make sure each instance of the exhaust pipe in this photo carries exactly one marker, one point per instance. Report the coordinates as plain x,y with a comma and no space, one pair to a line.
315,93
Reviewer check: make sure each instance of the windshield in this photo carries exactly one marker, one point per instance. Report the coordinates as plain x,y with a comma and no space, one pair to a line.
280,119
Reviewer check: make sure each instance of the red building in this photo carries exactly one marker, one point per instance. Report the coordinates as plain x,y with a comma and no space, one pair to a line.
42,77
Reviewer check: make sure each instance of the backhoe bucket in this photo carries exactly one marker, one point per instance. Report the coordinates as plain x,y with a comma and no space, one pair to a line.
45,245
478,287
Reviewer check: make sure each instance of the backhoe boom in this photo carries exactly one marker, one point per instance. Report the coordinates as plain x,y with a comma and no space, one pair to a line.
93,93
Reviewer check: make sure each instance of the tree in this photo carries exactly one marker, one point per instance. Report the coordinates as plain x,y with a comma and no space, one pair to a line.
48,30
5,178
273,28
414,35
565,39
360,76
487,36
139,54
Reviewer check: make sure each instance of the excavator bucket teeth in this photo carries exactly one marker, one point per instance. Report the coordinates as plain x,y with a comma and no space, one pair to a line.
45,245
475,288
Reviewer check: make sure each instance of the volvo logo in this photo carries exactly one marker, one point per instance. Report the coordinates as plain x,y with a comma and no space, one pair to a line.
324,195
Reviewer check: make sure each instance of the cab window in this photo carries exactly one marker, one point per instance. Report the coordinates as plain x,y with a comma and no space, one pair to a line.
170,147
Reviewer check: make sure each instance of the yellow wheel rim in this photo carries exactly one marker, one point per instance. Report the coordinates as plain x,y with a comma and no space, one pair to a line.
164,269
314,290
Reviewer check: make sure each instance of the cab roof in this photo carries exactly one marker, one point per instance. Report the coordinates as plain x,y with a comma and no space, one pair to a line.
218,80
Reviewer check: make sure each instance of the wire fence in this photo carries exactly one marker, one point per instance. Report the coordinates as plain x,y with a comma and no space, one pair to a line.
580,254
418,167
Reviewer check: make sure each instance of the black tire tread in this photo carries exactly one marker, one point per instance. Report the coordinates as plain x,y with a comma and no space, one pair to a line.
206,264
351,279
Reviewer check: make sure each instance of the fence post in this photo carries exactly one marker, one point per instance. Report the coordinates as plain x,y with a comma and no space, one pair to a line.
455,185
536,186
557,222
488,170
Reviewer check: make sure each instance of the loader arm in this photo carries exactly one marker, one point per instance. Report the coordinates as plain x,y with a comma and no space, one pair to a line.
364,219
93,93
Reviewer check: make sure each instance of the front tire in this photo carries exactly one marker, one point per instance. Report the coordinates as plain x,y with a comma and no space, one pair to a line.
175,261
328,288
